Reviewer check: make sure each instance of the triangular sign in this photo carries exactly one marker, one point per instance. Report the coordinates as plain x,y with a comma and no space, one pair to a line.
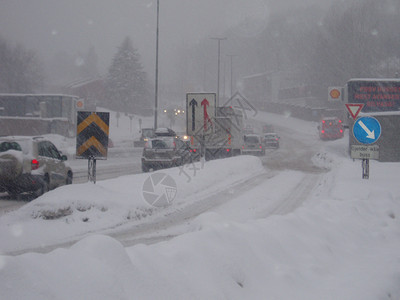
354,109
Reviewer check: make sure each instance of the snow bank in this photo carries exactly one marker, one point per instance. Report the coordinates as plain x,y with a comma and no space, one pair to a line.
344,243
69,212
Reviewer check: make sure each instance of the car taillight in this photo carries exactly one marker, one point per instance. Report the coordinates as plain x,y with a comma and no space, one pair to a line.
34,164
341,130
322,131
227,150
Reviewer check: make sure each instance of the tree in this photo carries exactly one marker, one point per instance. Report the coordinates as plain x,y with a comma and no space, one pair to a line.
126,83
20,69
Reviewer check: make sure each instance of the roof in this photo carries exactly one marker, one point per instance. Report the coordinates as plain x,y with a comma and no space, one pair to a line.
164,132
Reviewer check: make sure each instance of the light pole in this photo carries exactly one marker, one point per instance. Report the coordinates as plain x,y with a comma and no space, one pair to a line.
156,83
219,54
231,56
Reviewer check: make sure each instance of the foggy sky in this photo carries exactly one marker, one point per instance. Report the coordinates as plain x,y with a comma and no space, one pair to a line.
51,26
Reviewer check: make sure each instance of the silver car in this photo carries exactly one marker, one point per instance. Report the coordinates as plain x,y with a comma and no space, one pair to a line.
165,152
31,164
253,145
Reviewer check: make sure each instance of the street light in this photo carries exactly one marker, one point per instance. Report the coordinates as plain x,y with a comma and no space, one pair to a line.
231,56
156,83
219,54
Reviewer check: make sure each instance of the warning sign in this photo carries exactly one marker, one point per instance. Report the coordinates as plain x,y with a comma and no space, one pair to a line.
354,109
92,135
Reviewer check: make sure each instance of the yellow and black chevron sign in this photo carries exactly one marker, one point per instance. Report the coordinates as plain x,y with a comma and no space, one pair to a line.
92,134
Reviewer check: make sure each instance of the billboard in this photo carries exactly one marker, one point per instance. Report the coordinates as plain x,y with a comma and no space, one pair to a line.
377,95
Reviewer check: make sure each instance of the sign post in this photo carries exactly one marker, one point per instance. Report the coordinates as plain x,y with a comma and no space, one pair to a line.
366,130
92,139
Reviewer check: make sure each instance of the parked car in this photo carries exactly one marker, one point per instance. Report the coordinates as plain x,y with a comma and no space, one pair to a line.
271,140
165,152
31,164
253,145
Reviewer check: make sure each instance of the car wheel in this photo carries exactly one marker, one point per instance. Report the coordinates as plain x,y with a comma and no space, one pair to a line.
69,178
44,187
14,194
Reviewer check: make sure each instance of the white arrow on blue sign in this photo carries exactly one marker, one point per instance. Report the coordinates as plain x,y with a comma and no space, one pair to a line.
367,130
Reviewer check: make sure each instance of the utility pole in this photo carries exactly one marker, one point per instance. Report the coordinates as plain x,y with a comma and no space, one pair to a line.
156,83
219,39
231,56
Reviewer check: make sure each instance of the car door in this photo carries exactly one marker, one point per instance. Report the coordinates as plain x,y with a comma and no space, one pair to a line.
58,173
51,159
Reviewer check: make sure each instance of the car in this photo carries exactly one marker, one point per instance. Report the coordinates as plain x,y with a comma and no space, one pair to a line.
193,146
253,145
165,152
271,140
31,165
146,133
331,128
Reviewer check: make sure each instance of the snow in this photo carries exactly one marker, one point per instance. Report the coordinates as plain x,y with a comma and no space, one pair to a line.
341,242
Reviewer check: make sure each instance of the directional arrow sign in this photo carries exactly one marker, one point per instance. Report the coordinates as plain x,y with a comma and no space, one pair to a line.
193,104
367,130
201,111
206,117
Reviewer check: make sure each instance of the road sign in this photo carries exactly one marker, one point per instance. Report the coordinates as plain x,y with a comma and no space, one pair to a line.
367,130
354,109
365,152
200,112
335,93
92,135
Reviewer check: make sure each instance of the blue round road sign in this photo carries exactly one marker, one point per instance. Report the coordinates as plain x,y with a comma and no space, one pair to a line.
367,130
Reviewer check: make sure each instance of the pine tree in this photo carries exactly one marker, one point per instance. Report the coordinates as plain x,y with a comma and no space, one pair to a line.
126,84
20,69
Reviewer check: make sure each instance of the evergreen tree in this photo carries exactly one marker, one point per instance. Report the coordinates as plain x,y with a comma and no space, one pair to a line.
126,83
20,69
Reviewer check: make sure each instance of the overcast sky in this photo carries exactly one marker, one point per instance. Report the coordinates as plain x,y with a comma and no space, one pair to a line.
50,26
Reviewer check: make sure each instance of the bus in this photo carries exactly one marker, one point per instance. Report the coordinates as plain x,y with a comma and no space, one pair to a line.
38,114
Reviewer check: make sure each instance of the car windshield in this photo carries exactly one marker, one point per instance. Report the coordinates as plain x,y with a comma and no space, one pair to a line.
5,146
270,136
162,144
148,132
251,139
19,145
